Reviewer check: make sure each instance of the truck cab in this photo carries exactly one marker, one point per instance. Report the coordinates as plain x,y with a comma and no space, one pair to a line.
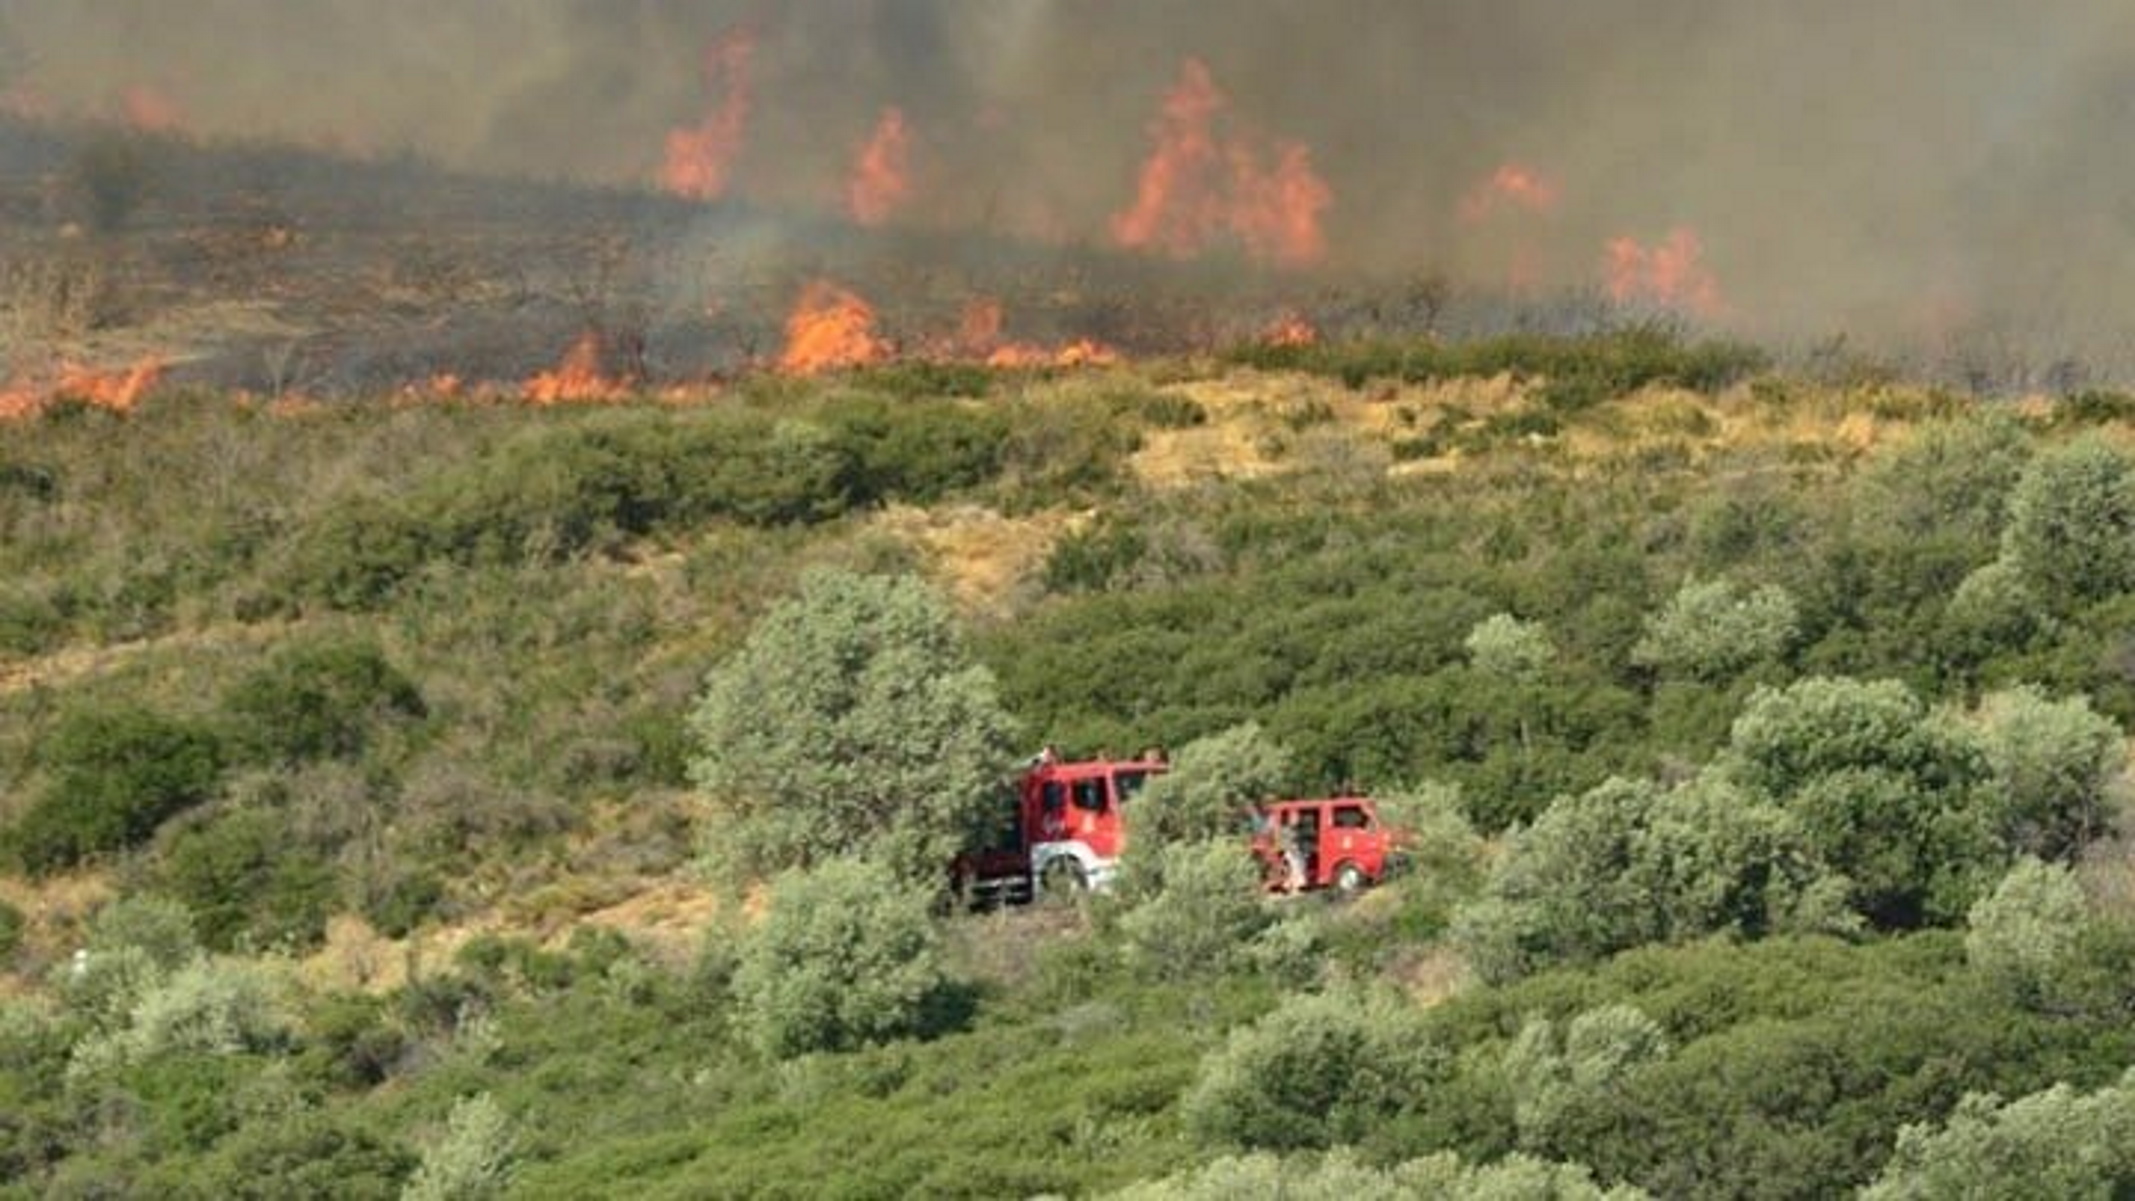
1325,842
1063,828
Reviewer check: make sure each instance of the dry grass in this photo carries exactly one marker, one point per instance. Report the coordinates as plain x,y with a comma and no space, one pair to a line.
58,909
1432,975
983,558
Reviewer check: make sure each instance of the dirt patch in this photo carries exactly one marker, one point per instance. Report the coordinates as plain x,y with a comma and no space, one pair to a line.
982,557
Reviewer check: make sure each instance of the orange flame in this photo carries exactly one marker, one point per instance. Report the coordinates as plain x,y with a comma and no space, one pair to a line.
576,380
980,328
1195,185
1174,209
881,174
1671,273
1510,188
150,110
1290,330
1082,352
978,336
120,391
830,328
701,156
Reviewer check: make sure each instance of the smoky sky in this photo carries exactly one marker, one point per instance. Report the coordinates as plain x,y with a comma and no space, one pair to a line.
1896,165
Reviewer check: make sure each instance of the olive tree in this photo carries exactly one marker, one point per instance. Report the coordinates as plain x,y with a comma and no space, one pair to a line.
1321,1069
2027,929
852,720
1713,630
1890,796
1551,1066
1213,783
2053,763
2071,531
2055,1143
847,955
1630,862
1504,647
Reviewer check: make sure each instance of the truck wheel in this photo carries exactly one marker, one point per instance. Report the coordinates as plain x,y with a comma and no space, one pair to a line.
1350,878
1064,878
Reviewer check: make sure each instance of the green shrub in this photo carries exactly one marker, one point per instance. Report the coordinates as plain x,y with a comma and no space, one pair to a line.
470,1159
2095,406
1631,862
319,701
115,775
1340,1175
305,1152
1505,648
2071,531
847,955
1551,1067
1319,1071
1211,789
852,720
2053,764
202,1007
1890,797
916,452
1199,913
1712,630
2056,1143
250,882
2023,935
12,925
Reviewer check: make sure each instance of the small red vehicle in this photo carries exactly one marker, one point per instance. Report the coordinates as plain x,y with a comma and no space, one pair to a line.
1063,829
1329,842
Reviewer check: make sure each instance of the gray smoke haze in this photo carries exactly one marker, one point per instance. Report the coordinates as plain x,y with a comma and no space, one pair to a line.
1904,169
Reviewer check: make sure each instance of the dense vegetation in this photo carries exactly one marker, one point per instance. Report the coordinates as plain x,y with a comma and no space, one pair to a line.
1764,739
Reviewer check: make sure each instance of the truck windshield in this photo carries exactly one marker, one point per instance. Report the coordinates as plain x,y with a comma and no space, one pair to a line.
1090,795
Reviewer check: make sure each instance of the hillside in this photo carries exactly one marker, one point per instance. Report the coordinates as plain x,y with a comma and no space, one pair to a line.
346,753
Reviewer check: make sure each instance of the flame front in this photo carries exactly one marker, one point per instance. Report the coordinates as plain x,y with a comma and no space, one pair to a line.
978,336
1175,208
1671,273
881,174
700,157
1196,185
1510,188
578,379
120,391
1290,330
149,110
830,328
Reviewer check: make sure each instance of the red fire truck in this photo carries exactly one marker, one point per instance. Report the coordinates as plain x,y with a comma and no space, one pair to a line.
1329,842
1062,830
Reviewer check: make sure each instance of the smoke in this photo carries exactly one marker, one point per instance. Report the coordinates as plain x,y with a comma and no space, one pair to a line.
1908,169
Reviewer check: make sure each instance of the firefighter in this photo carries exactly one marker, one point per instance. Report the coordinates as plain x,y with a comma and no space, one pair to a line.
1293,856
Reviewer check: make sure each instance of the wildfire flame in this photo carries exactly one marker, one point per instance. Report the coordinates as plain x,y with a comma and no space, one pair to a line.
120,391
830,328
881,173
1510,188
149,110
978,336
1196,185
578,379
1290,330
700,157
1670,273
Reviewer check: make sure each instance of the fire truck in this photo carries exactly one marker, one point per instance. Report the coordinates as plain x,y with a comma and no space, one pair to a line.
1064,825
1329,842
1062,829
